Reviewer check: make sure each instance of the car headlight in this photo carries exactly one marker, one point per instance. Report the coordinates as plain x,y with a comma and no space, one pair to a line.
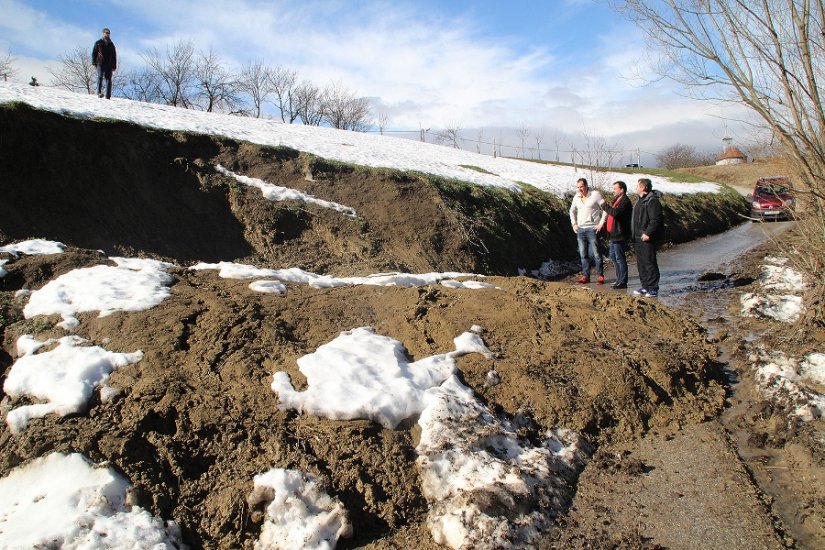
755,205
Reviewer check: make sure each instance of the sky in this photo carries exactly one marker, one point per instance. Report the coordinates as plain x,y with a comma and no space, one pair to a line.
563,69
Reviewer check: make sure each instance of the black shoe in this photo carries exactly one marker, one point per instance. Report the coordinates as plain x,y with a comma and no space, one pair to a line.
617,286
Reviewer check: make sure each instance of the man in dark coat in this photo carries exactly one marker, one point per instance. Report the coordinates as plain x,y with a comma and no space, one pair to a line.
619,214
104,57
647,227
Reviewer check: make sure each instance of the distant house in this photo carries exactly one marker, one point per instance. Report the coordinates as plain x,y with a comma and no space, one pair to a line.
731,155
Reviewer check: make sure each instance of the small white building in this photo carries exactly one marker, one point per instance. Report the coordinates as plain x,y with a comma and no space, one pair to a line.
731,155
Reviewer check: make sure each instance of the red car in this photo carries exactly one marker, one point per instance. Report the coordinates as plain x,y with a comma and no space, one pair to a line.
772,199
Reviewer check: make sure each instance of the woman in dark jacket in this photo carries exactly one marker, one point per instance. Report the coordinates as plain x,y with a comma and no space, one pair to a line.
619,214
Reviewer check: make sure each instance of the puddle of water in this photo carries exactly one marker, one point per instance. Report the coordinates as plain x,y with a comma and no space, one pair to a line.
681,266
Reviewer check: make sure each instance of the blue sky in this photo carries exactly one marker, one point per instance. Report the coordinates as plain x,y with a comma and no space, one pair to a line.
564,68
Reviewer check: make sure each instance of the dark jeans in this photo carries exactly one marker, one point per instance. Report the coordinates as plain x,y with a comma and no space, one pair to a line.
588,246
104,72
646,262
618,256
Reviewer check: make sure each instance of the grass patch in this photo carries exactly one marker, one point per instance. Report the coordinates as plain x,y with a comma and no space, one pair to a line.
477,169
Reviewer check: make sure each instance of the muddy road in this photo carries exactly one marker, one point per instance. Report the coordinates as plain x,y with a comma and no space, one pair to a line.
751,478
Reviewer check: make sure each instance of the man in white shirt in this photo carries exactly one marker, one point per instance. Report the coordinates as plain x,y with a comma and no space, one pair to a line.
587,218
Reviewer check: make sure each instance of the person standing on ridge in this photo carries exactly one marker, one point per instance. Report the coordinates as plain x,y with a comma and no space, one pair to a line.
619,215
647,224
104,57
587,220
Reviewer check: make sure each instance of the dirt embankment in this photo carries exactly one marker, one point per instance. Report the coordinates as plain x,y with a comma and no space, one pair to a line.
128,190
195,420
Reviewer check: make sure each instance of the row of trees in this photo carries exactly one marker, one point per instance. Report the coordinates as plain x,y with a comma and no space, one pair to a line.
183,77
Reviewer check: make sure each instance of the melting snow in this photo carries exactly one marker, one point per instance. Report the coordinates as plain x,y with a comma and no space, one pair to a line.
786,308
487,488
34,246
787,379
63,501
298,513
277,193
63,377
133,285
229,270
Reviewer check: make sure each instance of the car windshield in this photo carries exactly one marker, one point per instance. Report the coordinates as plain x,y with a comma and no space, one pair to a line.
772,189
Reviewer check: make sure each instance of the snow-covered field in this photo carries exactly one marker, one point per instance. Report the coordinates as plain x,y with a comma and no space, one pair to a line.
340,145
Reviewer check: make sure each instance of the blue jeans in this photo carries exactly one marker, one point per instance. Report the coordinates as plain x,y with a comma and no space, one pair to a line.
104,73
587,243
618,252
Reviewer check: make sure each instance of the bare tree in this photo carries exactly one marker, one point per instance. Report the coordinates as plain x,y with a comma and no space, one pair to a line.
596,156
283,82
308,103
450,135
75,72
680,155
256,82
557,141
143,85
175,72
767,55
7,69
345,111
383,117
216,88
523,132
539,137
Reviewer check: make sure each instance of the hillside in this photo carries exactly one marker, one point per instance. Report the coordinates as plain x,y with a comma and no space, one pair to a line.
510,388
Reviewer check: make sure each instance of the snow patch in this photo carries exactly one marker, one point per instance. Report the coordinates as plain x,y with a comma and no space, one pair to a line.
277,193
229,270
786,380
298,513
33,247
63,501
133,285
786,308
64,377
486,486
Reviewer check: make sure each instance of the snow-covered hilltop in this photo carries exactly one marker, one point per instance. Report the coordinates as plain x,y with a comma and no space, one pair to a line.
339,145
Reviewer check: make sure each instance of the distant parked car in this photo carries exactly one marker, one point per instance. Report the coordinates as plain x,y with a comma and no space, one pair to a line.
772,199
633,165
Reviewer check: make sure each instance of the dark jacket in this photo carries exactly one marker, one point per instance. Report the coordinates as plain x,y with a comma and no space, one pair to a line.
105,54
647,217
622,213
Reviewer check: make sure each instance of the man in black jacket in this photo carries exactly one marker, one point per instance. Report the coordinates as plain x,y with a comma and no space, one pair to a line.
104,57
647,225
619,214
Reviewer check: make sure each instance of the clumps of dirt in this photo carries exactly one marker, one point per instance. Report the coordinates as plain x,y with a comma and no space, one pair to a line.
196,420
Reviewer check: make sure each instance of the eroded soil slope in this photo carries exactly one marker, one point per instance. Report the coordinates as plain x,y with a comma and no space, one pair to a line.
126,190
